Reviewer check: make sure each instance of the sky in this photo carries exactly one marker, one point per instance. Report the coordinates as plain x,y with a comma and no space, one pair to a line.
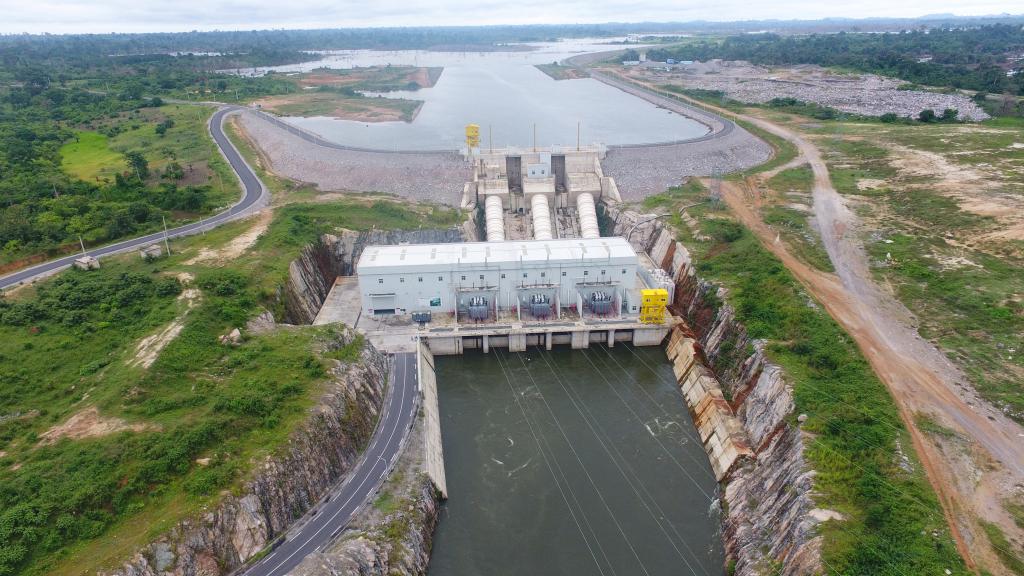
97,16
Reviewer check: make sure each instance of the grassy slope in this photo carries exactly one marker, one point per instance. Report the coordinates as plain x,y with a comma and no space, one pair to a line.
857,443
187,142
789,214
244,400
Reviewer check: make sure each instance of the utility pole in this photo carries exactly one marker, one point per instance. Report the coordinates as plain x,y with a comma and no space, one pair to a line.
82,244
167,244
490,138
577,135
534,136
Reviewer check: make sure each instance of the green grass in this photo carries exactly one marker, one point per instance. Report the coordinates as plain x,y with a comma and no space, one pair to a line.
853,424
89,156
557,71
803,242
187,143
785,151
798,180
86,505
331,103
926,423
1004,548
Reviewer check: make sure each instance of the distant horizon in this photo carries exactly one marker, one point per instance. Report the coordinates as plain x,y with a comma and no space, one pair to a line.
76,17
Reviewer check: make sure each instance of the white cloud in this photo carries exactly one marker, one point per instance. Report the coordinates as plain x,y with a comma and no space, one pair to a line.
61,16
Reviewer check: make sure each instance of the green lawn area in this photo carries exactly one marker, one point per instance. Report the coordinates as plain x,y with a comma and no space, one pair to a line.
89,157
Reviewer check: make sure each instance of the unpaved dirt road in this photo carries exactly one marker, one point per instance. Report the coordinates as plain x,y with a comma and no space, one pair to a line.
971,485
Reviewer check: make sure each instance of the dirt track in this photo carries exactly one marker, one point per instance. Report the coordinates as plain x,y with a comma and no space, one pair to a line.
920,378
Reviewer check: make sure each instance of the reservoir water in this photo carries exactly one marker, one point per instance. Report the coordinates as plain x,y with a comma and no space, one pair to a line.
506,95
572,462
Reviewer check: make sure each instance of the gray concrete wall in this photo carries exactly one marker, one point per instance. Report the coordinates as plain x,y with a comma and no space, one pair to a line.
432,418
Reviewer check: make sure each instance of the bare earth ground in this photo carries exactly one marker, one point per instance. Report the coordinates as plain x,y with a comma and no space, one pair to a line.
148,349
334,105
972,480
87,424
310,102
970,187
237,245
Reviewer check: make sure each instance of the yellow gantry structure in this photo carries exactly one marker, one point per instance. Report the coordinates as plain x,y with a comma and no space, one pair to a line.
653,302
472,135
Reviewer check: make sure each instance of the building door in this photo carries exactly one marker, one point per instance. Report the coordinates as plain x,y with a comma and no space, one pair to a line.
383,303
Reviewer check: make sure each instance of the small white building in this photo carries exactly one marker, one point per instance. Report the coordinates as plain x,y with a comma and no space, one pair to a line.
531,279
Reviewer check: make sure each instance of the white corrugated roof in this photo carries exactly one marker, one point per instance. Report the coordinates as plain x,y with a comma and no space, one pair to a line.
382,259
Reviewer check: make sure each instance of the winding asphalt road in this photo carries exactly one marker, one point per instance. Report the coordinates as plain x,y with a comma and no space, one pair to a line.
254,195
329,518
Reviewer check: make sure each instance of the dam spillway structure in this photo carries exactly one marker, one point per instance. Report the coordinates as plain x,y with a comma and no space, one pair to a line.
538,194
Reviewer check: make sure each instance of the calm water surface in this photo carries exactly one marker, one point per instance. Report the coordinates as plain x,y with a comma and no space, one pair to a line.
505,94
572,462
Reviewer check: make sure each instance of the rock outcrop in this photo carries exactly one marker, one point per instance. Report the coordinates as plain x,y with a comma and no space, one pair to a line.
399,544
282,488
768,520
312,275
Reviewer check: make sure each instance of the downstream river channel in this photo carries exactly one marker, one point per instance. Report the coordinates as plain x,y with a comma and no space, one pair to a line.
507,96
572,462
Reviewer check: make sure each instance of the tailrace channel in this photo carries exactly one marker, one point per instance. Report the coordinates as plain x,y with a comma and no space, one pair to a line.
572,462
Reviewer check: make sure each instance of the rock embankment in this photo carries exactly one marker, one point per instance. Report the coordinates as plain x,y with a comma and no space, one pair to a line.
282,488
768,508
430,176
312,275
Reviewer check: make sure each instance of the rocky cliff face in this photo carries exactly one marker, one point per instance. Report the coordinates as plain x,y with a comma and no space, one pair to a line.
280,490
769,516
312,275
393,535
399,544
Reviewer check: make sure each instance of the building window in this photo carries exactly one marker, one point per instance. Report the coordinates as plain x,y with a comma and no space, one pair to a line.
463,277
503,275
481,276
380,280
543,274
603,272
525,275
401,280
563,273
586,272
420,279
623,270
440,278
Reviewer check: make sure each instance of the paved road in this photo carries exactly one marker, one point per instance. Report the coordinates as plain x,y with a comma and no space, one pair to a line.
329,518
254,195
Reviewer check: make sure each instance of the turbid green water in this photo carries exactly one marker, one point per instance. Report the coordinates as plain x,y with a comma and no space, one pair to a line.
572,462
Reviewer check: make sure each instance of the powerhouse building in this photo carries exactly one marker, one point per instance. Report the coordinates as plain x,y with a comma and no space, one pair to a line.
480,281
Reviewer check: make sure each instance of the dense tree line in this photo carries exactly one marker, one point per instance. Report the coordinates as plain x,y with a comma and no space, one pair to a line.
974,58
